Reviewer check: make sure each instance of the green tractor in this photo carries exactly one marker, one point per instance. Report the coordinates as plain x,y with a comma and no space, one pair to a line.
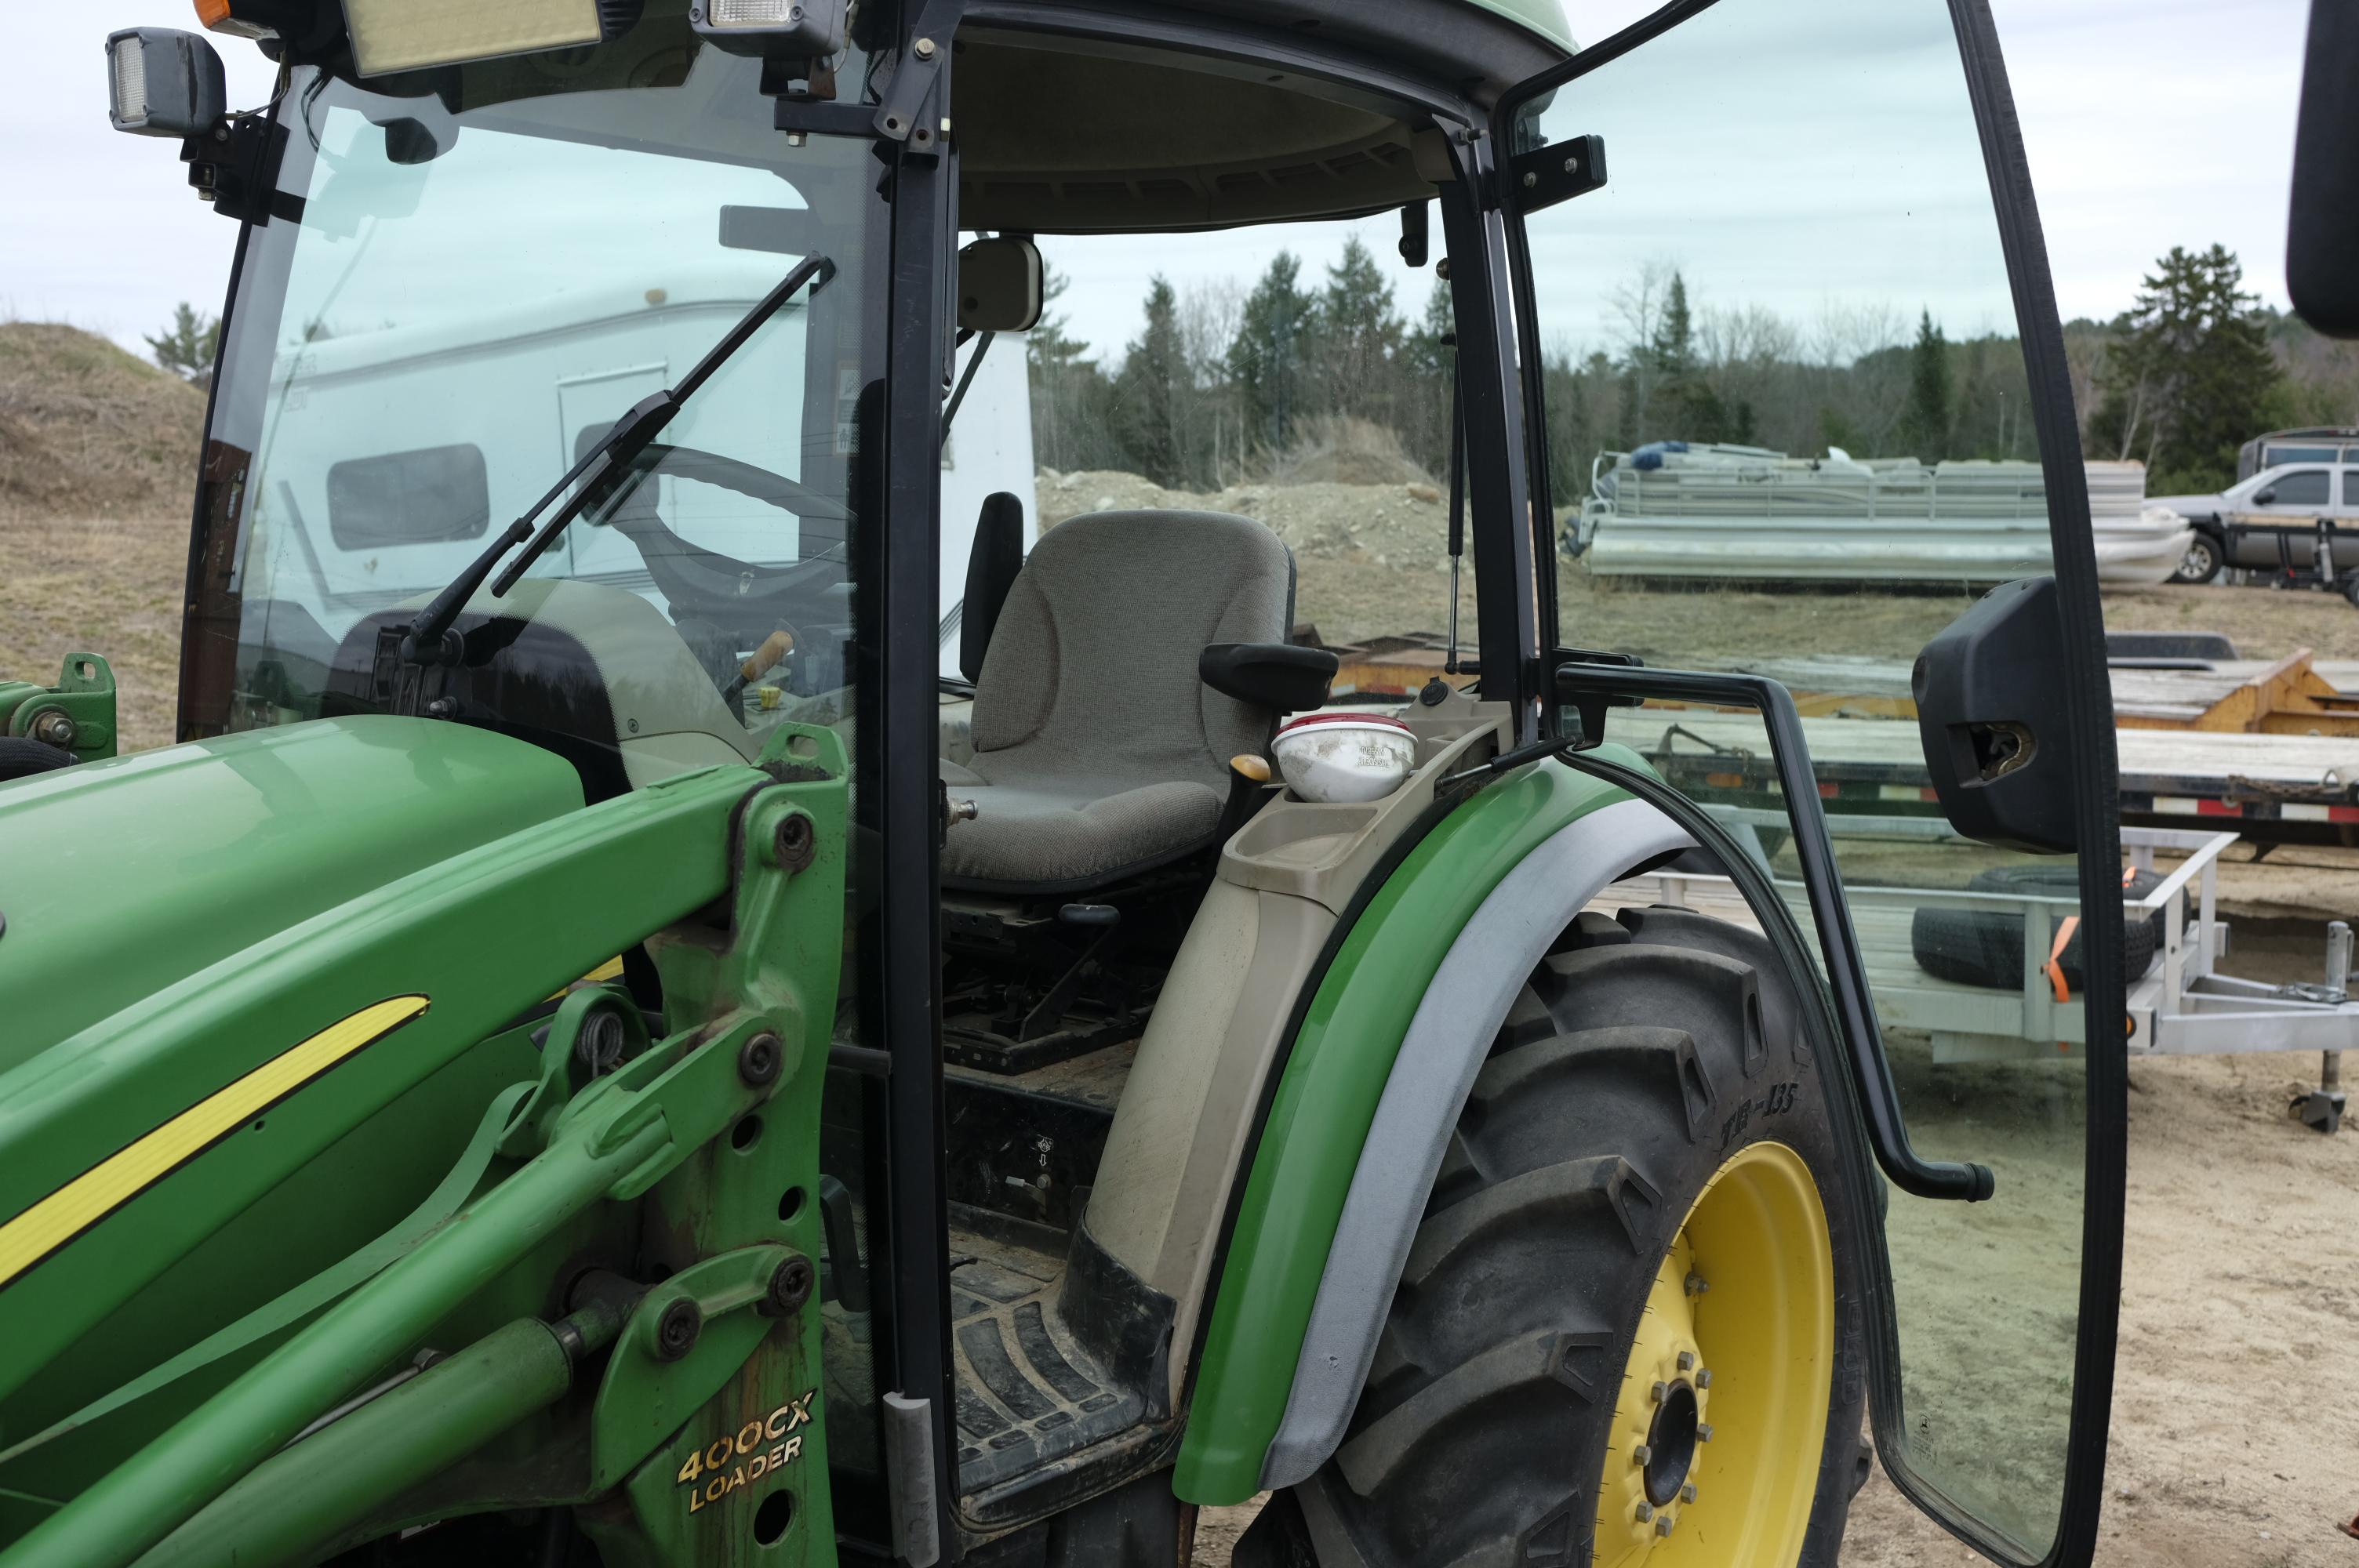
701,989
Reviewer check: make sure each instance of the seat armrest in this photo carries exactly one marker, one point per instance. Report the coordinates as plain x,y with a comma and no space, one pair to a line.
1279,676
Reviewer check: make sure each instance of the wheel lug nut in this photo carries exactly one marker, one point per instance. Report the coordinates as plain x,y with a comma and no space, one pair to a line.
1688,1493
1687,1361
1697,1284
1704,1432
1642,1455
1662,1392
1663,1525
1645,1512
1703,1377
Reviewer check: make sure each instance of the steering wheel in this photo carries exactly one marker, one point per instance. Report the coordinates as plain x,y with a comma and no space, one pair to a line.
748,600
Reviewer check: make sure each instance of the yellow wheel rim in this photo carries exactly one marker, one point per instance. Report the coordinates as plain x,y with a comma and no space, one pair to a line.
1720,1420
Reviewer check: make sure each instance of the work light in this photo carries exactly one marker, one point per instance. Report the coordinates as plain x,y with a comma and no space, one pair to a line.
778,30
163,84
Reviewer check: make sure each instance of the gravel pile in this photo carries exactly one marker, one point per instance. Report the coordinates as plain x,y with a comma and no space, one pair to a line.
1404,524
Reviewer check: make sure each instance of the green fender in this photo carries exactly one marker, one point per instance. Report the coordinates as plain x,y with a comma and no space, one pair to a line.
1326,1102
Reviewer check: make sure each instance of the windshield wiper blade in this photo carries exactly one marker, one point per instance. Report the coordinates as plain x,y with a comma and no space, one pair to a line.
430,640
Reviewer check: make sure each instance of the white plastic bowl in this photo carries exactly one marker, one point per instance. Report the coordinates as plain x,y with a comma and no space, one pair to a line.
1345,758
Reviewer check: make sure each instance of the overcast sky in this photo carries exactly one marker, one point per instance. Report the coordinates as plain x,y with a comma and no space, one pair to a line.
2149,124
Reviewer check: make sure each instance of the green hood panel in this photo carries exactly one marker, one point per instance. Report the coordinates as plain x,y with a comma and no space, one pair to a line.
119,878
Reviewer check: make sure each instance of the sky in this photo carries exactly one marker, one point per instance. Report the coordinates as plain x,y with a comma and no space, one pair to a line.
2147,123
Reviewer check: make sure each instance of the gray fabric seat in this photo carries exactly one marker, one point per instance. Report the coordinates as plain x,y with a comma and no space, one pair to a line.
1097,751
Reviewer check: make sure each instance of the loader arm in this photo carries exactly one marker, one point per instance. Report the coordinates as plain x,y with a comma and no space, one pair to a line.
609,1163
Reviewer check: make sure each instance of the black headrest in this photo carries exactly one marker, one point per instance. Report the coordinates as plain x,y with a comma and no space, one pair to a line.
991,568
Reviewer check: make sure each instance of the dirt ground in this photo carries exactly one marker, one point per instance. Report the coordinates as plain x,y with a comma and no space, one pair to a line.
1374,558
109,586
1371,559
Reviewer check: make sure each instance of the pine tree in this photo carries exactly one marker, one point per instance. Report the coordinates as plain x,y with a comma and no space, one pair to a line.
1266,360
1671,354
1358,334
1148,392
1430,356
1925,428
188,347
1068,393
2191,375
1681,404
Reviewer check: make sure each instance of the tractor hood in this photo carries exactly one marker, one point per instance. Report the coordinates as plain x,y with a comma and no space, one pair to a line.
119,878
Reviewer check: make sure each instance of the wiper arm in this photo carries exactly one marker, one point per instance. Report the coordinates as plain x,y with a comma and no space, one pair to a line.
430,640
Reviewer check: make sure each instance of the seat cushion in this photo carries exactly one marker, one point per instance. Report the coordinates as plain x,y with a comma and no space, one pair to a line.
1097,749
1072,833
1093,665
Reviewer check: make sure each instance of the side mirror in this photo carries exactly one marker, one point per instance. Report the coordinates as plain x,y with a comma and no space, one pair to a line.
162,82
2322,237
1992,719
999,287
2266,497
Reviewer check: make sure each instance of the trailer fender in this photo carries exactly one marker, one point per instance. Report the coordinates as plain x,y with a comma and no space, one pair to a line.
1309,1271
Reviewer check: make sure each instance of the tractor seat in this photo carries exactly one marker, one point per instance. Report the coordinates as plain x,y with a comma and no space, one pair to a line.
1098,750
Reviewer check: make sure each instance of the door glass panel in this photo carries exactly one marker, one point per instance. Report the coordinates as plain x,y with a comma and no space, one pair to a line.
2305,487
429,347
1788,433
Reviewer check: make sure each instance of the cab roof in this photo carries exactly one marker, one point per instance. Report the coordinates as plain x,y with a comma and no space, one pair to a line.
1105,129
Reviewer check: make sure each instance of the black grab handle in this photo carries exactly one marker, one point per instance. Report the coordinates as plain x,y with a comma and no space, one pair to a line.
1879,1098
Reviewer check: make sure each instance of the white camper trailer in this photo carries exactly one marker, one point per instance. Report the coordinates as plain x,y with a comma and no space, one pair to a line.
392,490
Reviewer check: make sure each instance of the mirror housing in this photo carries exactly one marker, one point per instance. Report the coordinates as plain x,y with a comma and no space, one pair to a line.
164,83
1000,285
1991,718
2322,234
2266,497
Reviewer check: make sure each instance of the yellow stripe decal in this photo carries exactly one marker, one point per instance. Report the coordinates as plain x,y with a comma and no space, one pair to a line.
612,969
124,1176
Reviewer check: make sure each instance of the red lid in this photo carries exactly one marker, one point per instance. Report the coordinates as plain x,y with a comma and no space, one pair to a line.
1345,716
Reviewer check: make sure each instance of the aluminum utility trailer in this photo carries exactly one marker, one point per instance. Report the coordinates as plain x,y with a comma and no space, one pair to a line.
2181,1006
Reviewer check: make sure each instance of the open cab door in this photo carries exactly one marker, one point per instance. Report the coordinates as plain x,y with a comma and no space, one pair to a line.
1803,446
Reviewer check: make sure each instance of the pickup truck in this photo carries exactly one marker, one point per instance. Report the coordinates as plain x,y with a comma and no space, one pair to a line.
2269,522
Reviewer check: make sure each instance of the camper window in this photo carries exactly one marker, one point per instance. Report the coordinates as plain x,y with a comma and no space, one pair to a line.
410,498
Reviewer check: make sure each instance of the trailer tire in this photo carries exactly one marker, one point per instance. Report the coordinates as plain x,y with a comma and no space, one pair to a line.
22,757
1985,947
1649,1115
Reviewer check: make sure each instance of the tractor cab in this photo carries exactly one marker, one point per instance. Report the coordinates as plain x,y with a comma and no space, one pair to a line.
911,663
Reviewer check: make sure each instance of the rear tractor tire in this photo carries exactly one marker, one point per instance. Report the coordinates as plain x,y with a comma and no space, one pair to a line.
21,757
1629,1331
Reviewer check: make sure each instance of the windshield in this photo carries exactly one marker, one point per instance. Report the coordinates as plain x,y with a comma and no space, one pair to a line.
481,281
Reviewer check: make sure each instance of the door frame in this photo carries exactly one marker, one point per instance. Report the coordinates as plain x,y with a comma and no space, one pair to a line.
2089,732
898,808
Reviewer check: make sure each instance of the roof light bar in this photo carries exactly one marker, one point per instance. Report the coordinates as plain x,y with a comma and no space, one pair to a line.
406,35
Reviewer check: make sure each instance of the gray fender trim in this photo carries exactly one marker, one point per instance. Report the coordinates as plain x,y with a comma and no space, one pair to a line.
1448,1036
